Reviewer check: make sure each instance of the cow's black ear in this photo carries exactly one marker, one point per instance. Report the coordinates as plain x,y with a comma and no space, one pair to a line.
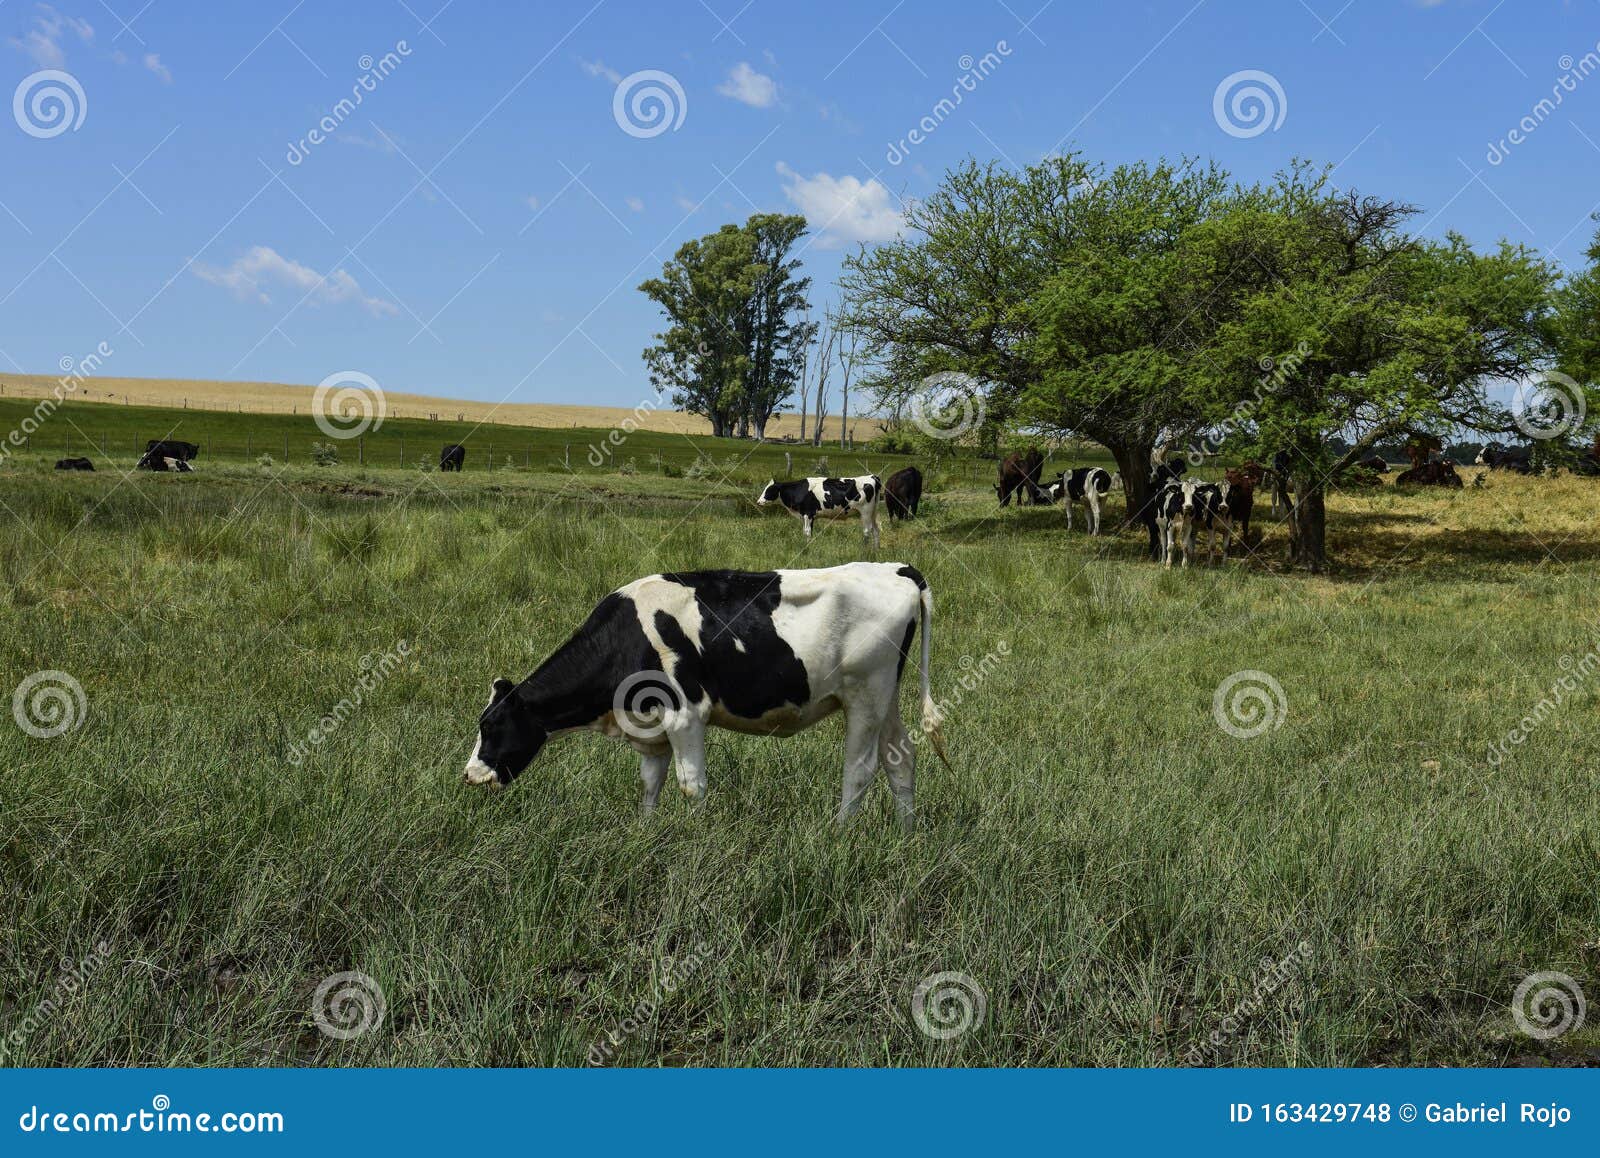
502,689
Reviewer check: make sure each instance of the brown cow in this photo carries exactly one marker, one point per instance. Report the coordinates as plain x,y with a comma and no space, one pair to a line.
1242,483
1430,474
1019,474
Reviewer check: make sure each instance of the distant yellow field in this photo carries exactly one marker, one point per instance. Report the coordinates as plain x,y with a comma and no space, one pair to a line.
280,398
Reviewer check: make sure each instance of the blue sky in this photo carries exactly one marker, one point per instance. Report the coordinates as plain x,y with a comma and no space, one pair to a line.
477,225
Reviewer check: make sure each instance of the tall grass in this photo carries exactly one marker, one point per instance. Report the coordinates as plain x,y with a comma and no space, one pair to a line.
1107,864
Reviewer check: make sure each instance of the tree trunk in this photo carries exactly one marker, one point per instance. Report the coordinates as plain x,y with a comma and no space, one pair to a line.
805,401
1134,464
1308,545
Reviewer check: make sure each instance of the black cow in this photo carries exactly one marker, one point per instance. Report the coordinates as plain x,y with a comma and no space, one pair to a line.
172,448
1375,463
1162,476
1019,475
74,464
1082,484
767,653
1281,485
806,498
902,493
452,458
1497,456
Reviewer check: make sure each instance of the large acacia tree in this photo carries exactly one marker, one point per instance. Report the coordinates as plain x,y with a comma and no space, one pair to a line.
1064,289
1367,334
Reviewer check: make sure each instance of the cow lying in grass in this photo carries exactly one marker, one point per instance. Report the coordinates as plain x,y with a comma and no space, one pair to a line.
808,497
768,653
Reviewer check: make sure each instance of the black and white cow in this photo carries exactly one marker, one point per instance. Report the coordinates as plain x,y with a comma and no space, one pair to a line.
1082,484
150,460
1186,506
1162,476
766,653
806,498
1498,456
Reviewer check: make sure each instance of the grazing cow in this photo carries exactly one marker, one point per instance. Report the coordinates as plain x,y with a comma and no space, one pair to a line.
452,458
1497,456
765,653
1430,474
74,464
1082,484
808,497
1161,477
902,494
1019,475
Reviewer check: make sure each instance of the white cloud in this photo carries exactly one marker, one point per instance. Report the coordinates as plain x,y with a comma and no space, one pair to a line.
600,68
153,63
687,204
634,203
532,202
842,209
747,86
263,267
43,40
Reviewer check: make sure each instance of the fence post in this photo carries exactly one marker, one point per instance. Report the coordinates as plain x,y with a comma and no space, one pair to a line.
491,456
361,451
402,450
247,448
788,465
286,450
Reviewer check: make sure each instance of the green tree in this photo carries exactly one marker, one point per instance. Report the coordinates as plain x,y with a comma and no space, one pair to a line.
1063,289
733,346
1354,332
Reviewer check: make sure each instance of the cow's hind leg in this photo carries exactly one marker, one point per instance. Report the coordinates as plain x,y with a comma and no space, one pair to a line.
899,760
1094,509
864,720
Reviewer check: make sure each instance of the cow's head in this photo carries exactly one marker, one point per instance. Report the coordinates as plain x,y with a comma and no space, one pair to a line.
769,493
1223,488
508,739
1187,488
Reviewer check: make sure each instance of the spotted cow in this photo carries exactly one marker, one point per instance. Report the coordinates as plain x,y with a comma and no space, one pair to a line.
807,498
766,653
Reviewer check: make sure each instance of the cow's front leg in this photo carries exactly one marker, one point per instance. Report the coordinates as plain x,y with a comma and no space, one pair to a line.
860,758
653,771
806,519
689,754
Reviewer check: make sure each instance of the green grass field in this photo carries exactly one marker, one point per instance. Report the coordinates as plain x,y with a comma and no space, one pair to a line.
1126,882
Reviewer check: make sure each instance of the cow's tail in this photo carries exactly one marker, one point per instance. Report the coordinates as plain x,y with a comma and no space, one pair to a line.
930,710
